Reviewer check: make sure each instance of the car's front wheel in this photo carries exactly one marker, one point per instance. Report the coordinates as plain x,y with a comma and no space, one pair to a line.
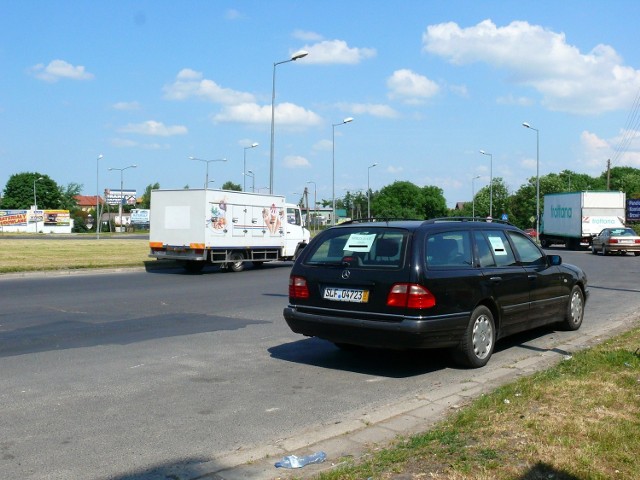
476,346
575,310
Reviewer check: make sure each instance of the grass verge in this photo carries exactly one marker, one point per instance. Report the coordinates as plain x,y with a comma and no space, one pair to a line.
24,255
577,420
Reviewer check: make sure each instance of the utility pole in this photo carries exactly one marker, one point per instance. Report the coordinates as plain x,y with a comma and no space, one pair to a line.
608,172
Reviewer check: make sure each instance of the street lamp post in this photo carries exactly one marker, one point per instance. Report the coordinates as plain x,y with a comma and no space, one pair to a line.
250,173
35,200
206,178
294,57
98,217
369,191
121,170
315,201
333,163
244,166
490,181
526,125
473,195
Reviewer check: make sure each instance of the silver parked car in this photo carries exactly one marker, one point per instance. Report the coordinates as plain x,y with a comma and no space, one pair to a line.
619,240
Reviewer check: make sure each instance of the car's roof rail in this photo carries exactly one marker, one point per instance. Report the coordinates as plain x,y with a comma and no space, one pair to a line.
466,219
380,220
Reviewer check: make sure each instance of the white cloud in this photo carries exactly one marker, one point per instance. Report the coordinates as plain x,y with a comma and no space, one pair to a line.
623,150
190,83
284,114
395,169
296,161
323,146
373,109
567,79
307,36
58,69
336,51
518,101
410,86
151,127
126,106
232,14
124,143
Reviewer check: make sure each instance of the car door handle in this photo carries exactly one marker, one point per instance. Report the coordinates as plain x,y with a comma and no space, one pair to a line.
532,277
496,279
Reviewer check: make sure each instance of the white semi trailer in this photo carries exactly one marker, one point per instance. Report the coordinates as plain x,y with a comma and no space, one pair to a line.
574,218
229,228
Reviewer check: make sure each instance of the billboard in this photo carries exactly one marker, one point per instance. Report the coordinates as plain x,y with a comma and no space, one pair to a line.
115,196
633,210
140,216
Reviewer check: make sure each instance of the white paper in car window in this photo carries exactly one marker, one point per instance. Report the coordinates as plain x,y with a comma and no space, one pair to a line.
360,242
497,245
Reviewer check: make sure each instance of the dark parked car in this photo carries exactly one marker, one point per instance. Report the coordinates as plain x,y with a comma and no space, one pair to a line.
618,240
452,283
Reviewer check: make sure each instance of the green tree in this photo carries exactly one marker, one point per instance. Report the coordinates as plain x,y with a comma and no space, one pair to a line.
146,196
19,192
624,179
229,185
434,202
401,199
68,196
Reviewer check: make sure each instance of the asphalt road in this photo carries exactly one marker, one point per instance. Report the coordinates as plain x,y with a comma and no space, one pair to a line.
129,375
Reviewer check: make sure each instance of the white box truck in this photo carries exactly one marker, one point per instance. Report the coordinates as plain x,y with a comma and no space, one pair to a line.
229,228
574,218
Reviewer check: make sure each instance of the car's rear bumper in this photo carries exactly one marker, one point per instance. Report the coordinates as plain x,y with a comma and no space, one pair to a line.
404,333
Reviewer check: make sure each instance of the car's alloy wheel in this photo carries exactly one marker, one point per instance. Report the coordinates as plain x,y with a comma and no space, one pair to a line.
575,310
476,346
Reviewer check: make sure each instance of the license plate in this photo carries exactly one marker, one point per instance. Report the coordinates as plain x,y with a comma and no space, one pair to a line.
625,240
346,295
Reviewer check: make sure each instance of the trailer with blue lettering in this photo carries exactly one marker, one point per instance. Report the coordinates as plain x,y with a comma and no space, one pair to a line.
574,218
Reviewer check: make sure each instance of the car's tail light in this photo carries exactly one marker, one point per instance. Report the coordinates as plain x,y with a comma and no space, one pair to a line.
410,295
613,240
298,287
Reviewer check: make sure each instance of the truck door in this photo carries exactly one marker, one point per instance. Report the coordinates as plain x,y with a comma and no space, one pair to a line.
293,231
239,220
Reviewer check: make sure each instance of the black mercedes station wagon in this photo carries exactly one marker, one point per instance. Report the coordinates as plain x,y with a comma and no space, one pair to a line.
455,283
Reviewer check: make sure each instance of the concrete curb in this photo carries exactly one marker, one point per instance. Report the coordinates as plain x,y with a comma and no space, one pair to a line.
355,439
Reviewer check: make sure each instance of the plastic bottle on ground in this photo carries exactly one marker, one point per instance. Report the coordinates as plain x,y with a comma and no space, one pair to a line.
292,461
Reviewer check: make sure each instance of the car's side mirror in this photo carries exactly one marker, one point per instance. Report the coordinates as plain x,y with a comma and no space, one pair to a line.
554,259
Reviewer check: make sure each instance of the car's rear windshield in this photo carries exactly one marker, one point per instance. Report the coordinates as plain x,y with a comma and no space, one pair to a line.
365,247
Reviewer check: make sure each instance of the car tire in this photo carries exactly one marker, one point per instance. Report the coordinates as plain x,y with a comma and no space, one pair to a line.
237,262
603,250
476,346
575,310
636,253
594,250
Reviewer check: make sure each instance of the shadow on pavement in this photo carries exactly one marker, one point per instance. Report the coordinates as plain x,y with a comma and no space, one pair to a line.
387,363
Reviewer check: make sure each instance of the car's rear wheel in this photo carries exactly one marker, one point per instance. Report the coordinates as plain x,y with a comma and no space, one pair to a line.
575,310
603,249
476,347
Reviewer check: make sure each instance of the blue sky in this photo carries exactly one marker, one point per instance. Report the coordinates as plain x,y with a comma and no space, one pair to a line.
428,83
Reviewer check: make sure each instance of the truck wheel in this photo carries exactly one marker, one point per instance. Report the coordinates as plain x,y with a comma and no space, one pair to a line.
544,243
237,263
575,310
476,346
